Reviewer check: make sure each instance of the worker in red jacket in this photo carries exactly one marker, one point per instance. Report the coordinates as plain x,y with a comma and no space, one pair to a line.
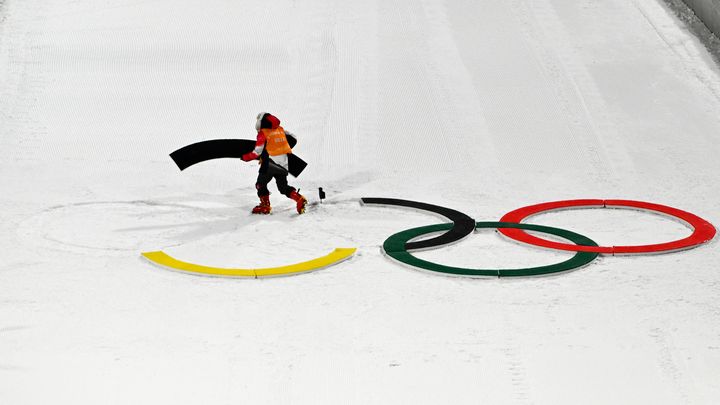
272,149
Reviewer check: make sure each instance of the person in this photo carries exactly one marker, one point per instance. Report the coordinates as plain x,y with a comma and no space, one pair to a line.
272,149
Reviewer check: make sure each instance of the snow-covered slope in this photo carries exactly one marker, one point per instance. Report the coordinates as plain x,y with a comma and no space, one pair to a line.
481,106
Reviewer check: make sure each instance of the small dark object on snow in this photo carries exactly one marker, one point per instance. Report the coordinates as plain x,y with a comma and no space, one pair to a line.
322,194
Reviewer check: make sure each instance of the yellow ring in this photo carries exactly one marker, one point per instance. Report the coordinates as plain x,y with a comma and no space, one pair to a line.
163,259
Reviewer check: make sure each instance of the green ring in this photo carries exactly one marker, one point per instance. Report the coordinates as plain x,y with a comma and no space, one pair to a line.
394,247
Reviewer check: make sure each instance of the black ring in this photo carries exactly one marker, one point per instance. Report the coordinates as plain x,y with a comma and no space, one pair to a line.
463,225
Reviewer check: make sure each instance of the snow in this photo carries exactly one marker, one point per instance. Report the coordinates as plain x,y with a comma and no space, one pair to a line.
480,106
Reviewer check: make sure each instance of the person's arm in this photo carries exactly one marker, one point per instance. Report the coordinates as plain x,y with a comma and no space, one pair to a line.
259,147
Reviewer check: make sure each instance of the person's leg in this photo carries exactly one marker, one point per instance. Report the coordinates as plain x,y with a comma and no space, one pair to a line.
264,194
282,185
290,192
261,184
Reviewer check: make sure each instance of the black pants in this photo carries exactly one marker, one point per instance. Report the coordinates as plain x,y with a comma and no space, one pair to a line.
276,172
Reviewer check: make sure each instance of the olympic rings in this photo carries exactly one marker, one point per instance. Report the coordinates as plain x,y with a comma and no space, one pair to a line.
394,246
703,231
398,245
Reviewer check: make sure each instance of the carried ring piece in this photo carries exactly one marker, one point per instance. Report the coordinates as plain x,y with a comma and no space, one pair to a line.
395,247
702,232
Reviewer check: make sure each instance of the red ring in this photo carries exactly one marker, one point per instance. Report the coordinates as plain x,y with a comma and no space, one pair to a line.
703,231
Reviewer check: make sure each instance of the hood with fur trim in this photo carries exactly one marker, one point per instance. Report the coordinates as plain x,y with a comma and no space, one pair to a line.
266,120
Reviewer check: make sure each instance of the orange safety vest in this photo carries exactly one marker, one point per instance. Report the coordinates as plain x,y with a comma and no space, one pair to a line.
275,141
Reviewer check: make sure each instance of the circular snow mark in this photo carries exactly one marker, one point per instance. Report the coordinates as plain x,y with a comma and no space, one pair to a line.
116,226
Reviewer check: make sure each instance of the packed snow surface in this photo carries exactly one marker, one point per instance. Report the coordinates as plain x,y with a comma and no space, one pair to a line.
478,105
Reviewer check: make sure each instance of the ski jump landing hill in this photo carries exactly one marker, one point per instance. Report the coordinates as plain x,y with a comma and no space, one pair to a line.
480,106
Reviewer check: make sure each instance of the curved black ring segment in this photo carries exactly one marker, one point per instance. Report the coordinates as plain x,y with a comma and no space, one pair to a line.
227,148
463,225
213,149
